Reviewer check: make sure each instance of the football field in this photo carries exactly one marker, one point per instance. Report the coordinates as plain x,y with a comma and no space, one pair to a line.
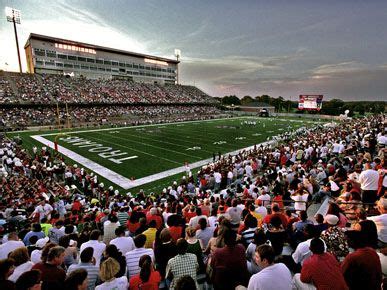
133,156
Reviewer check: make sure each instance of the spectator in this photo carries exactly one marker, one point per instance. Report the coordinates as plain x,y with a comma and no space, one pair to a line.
12,244
148,277
229,264
321,270
133,256
6,269
77,280
381,222
29,280
123,244
53,275
111,251
362,268
108,272
87,262
22,263
183,264
97,246
272,276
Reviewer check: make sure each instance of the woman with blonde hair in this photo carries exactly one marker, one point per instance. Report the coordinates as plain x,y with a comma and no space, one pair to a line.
22,262
109,269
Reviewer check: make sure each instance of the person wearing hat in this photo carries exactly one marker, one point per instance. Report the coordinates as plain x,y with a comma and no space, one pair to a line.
381,222
334,237
37,253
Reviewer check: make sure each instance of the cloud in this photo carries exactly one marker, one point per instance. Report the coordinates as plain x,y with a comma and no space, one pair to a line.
351,84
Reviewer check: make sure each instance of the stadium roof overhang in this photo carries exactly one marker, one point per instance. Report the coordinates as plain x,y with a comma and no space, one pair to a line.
96,47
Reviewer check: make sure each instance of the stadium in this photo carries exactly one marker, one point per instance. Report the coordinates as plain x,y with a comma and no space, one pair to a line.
116,175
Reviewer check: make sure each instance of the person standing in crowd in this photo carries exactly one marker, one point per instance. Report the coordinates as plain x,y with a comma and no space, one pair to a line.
369,179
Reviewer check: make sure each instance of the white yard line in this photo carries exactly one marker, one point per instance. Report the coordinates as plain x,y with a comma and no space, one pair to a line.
97,168
120,180
160,125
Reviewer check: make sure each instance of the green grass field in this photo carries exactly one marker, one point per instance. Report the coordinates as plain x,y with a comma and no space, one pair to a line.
141,151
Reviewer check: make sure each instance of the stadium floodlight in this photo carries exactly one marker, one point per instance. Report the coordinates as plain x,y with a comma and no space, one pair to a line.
13,15
177,54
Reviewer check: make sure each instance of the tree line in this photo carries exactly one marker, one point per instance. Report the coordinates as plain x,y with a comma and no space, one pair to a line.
331,107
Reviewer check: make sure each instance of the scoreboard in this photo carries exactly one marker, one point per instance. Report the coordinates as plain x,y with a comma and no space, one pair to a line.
310,102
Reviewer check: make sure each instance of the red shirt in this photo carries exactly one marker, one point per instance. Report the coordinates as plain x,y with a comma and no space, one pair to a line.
176,232
324,272
152,284
362,269
283,218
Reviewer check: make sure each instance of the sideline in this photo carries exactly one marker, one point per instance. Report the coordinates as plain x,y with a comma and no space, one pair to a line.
123,181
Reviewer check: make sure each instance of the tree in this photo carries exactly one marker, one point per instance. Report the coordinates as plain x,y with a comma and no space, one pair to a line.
247,100
229,100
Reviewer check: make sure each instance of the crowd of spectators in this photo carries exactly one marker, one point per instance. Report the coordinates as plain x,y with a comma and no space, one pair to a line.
240,221
52,89
22,117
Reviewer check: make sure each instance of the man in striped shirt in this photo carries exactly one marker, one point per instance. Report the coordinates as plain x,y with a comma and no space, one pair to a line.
133,256
88,263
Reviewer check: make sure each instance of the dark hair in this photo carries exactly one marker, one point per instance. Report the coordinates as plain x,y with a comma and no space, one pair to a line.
185,283
303,215
33,240
87,255
112,251
152,224
275,207
28,279
310,230
113,218
69,229
369,230
75,278
276,221
181,246
203,223
250,221
119,231
259,237
229,237
145,264
198,211
36,228
139,241
266,252
94,235
317,246
64,241
5,265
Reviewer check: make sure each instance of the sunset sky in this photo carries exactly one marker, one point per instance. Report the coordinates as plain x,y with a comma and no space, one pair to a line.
279,48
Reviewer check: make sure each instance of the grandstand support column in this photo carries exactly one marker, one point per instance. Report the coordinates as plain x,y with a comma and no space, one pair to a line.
13,15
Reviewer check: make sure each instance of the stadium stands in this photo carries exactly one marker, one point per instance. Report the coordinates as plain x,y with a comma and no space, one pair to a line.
260,194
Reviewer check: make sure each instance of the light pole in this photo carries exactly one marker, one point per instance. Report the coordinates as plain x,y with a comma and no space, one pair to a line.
13,15
177,54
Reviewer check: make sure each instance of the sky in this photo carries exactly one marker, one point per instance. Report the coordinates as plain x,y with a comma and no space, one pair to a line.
280,48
